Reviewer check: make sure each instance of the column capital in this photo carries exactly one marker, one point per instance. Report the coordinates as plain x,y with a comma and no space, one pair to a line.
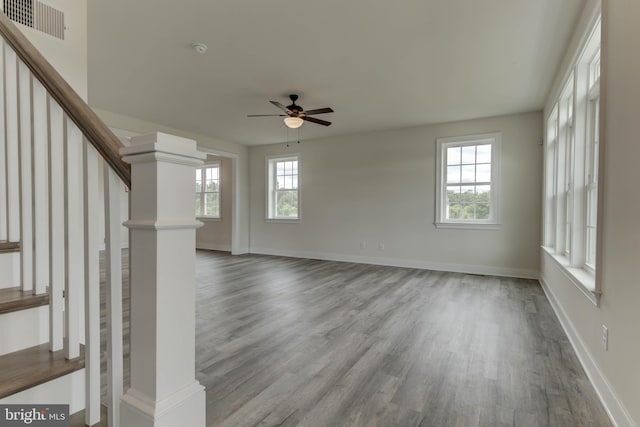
158,146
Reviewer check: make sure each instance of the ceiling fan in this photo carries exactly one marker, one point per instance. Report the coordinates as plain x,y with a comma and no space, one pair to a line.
295,115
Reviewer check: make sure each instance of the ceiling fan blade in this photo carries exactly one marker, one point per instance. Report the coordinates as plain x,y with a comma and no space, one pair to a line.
314,120
318,111
266,115
280,106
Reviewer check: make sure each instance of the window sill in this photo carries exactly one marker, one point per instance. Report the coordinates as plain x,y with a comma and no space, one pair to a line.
208,218
468,225
584,280
283,220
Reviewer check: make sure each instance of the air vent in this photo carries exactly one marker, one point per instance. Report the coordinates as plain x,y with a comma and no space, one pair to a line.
36,15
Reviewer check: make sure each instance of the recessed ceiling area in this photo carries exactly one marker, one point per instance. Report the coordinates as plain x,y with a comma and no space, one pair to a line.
378,64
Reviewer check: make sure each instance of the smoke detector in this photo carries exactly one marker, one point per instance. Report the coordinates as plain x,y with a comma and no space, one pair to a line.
201,48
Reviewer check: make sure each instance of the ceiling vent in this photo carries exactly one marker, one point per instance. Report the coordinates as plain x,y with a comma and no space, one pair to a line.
36,15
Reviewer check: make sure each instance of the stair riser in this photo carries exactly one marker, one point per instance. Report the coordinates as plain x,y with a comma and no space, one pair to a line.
10,268
68,389
23,329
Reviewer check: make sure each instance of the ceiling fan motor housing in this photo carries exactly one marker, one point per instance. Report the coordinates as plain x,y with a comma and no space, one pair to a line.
294,107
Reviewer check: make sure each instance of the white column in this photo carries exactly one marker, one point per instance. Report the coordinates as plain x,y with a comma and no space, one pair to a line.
164,391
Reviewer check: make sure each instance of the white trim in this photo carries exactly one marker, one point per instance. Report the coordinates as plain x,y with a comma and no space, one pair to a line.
235,196
212,164
213,247
495,139
209,218
468,226
405,263
174,224
580,278
618,414
272,159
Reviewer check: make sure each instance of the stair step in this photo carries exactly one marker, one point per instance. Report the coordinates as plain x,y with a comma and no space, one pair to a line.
33,366
14,299
6,247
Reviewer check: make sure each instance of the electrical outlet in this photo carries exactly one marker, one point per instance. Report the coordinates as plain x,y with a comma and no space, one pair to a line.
605,338
363,245
381,246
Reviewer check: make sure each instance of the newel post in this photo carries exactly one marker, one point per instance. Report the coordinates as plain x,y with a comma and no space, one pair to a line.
164,391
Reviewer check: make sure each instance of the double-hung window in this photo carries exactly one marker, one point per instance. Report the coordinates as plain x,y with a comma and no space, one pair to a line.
591,161
283,191
571,169
208,191
468,181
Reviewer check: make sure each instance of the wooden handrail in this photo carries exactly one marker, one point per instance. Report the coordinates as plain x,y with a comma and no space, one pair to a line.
94,129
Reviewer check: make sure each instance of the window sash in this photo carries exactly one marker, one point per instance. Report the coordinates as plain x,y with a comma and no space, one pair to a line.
470,207
206,198
283,192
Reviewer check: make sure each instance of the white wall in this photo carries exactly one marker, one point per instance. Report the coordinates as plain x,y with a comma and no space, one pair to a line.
68,56
378,188
215,234
240,152
615,372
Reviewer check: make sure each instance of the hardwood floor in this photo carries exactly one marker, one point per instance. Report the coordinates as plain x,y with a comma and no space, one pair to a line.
284,342
296,342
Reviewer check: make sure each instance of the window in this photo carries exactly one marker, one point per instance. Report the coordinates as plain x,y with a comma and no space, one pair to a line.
208,191
467,189
591,166
571,169
283,192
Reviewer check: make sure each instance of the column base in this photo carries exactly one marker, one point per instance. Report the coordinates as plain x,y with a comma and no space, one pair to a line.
186,407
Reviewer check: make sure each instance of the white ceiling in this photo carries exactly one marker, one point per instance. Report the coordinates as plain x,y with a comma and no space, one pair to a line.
379,64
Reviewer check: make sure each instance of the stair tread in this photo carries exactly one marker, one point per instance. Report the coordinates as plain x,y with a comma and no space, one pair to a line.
30,367
14,299
6,246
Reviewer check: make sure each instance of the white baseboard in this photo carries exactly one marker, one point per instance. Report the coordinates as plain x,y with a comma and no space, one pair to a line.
615,409
213,247
400,262
240,251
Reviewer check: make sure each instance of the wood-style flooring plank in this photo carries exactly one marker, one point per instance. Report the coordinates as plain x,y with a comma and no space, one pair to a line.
298,342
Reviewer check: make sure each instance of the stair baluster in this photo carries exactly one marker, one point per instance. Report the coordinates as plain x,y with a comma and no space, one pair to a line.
55,126
113,265
26,177
3,159
40,189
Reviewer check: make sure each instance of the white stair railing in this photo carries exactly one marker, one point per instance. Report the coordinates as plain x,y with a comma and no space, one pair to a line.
54,149
51,191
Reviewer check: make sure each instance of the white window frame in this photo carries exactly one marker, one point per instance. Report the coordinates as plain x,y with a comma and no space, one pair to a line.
592,163
441,220
202,194
271,188
571,206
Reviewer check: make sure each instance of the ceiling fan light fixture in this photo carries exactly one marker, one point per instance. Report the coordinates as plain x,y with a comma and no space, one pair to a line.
293,122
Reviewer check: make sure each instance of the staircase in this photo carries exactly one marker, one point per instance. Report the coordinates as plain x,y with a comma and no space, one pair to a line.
63,187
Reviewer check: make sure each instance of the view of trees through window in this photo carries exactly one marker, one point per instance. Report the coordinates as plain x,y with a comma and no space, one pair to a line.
286,189
208,191
468,182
